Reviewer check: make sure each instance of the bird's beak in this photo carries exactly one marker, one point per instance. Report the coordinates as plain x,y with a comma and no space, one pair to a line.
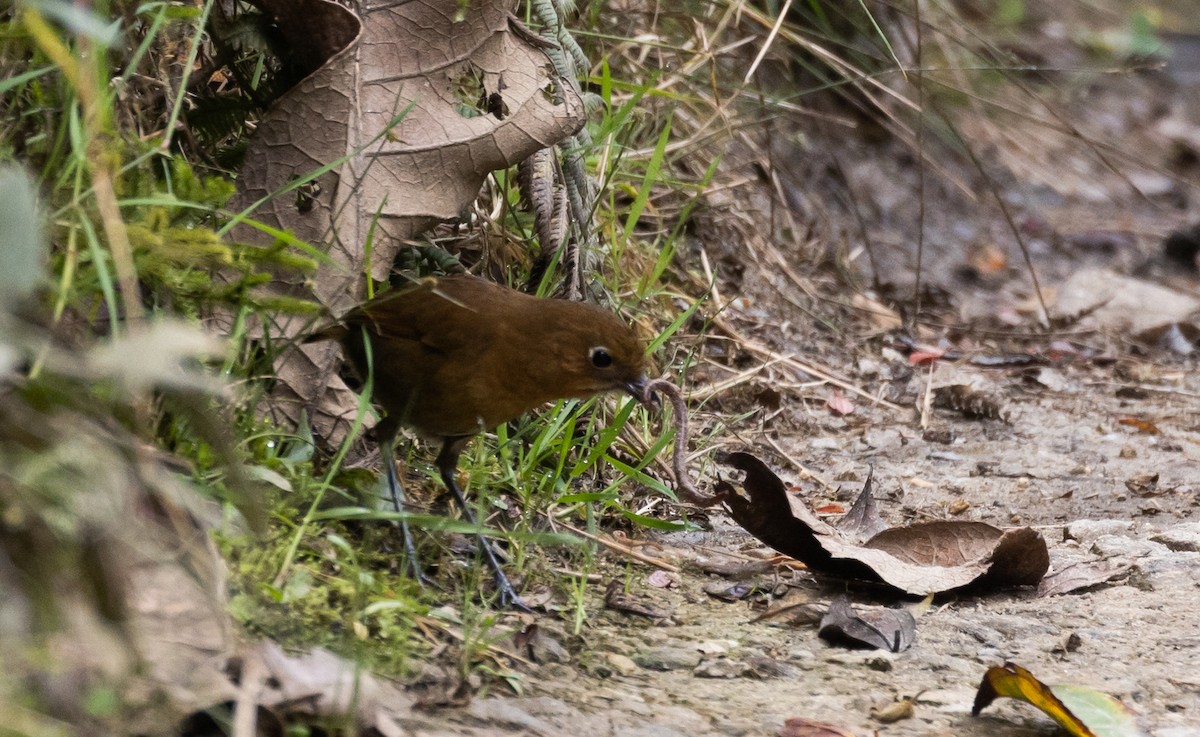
637,390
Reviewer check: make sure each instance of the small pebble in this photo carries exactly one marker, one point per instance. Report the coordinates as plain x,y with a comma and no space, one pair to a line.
669,658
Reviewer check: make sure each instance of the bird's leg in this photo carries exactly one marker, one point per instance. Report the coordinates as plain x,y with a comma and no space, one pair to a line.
387,440
447,463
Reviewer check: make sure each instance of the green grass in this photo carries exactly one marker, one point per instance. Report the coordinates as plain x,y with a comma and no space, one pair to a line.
137,230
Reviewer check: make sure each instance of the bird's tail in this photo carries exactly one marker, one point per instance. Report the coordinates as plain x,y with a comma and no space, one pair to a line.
330,332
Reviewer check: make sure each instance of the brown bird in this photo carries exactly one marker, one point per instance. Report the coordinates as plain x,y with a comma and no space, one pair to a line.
453,356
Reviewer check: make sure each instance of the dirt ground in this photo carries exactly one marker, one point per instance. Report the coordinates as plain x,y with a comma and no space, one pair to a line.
1060,466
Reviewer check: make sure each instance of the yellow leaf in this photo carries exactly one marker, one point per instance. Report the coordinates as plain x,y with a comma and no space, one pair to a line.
1083,712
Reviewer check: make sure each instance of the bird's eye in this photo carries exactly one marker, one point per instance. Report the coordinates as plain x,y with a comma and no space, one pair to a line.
601,358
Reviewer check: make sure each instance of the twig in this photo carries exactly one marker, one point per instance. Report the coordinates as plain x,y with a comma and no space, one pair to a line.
1145,388
767,44
622,549
738,379
800,466
994,188
789,360
927,398
245,709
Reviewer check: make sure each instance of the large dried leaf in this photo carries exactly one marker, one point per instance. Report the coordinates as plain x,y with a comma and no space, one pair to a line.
377,63
1080,576
919,559
1149,311
408,107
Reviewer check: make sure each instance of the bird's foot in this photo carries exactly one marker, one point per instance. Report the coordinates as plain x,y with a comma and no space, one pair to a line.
412,567
412,561
509,598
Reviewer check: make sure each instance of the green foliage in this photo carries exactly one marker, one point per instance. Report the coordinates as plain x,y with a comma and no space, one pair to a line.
137,222
88,388
344,592
1009,12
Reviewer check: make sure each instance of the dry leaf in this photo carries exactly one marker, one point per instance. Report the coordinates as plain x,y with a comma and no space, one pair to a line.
882,629
895,711
1143,485
863,520
832,508
730,590
881,317
617,599
917,559
796,608
925,354
539,645
389,90
663,580
1145,427
839,404
1123,303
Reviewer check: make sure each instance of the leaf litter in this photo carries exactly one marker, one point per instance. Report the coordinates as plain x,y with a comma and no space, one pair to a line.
917,559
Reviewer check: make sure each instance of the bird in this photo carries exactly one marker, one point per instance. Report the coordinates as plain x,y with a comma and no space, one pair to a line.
452,356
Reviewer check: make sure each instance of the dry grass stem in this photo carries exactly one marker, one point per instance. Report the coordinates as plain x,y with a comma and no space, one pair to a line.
617,547
805,471
791,361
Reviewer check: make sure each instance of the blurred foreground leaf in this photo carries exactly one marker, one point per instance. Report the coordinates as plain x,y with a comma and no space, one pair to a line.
22,240
165,355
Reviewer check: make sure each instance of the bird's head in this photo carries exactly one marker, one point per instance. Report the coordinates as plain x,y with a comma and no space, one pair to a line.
600,353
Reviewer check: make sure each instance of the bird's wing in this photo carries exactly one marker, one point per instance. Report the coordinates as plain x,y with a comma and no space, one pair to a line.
441,315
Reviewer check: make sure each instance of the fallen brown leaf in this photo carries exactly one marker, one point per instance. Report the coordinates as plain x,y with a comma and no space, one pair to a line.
925,354
663,580
918,559
617,599
863,520
1078,576
730,590
1145,427
882,629
902,709
1144,485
